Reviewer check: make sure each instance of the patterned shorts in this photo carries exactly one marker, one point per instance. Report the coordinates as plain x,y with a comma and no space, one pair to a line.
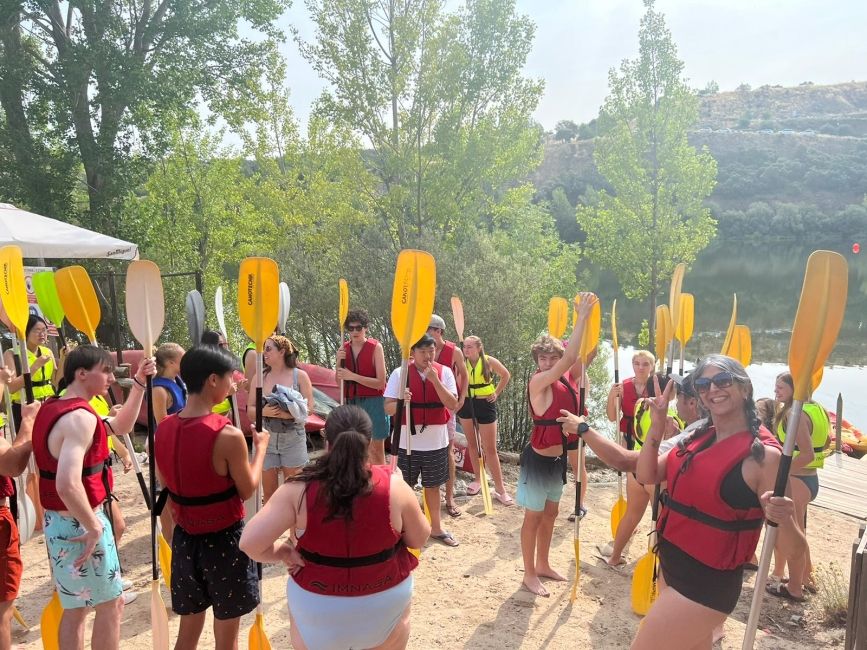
98,580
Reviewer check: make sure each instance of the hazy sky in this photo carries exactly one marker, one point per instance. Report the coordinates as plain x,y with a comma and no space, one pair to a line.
730,41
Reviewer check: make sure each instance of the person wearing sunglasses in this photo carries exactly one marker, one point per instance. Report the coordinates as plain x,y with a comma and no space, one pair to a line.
361,367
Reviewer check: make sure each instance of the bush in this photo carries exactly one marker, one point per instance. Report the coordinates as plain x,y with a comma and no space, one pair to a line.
833,597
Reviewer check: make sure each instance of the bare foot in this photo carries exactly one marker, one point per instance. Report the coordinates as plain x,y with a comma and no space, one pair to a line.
535,586
548,572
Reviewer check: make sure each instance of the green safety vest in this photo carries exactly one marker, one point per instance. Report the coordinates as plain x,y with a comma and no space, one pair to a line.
819,436
642,422
42,386
478,387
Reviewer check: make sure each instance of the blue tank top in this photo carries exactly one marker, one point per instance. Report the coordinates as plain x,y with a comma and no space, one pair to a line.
176,389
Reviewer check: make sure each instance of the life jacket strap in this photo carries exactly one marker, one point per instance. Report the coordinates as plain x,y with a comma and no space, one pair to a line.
351,562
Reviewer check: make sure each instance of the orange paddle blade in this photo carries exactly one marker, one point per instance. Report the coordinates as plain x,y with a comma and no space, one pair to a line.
731,330
79,300
686,318
617,512
13,291
258,298
558,311
258,640
145,306
819,317
643,585
412,297
49,623
458,315
741,347
614,327
590,336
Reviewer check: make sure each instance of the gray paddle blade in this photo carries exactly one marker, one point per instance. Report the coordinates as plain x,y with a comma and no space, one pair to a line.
195,316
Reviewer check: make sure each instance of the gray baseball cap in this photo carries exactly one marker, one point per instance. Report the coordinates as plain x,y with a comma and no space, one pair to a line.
438,322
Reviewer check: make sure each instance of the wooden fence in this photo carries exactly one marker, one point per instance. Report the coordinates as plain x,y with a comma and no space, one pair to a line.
856,619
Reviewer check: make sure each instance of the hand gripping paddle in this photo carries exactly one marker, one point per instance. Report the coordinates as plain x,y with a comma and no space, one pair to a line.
817,323
145,313
259,310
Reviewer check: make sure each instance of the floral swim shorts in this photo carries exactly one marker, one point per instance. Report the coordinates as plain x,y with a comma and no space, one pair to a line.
98,580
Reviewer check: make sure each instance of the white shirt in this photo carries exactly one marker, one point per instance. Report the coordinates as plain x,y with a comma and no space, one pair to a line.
434,436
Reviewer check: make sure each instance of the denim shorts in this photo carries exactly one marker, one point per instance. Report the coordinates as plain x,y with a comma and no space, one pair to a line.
287,446
98,580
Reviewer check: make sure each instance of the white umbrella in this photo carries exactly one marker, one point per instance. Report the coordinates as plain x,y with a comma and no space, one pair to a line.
41,237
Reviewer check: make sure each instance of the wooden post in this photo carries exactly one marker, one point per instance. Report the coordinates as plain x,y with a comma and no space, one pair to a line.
856,627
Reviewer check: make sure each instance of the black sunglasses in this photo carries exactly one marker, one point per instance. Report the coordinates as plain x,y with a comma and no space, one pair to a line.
721,380
355,328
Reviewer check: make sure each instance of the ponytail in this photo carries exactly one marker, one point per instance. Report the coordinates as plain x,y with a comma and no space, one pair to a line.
343,470
757,449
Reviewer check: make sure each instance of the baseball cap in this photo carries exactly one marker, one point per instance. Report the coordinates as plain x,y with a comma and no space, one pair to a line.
438,322
684,384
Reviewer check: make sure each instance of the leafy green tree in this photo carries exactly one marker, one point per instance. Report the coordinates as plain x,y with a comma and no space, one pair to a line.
565,131
712,88
655,217
441,100
115,77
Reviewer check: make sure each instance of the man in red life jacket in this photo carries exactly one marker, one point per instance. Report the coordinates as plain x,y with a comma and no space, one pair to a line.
202,461
450,356
70,447
430,395
361,367
543,461
13,462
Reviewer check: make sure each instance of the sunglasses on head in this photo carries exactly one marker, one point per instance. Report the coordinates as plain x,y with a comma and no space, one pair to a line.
721,380
355,328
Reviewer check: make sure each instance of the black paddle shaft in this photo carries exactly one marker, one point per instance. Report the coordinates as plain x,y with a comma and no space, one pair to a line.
149,394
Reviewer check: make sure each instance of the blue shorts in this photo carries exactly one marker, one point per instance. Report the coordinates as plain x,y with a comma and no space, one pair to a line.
365,621
540,480
98,580
375,409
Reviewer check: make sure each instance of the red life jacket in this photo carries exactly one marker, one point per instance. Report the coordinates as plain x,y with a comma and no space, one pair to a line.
202,500
695,518
6,487
362,365
547,432
446,356
427,408
95,473
627,407
353,557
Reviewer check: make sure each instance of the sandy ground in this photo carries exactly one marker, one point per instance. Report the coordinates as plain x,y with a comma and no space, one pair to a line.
470,596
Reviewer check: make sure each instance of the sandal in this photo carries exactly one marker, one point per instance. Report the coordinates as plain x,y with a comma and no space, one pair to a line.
446,538
781,591
613,567
474,488
504,498
453,510
605,551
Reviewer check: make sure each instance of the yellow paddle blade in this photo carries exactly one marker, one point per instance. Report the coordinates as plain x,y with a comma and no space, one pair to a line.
258,640
159,618
258,298
145,306
741,347
661,327
49,623
731,330
165,555
18,617
820,314
617,512
590,337
643,586
412,297
674,295
487,503
79,300
343,307
686,318
458,316
817,379
574,595
557,315
45,289
614,326
13,291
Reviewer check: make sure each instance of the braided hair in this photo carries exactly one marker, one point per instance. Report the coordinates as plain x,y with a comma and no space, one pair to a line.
734,367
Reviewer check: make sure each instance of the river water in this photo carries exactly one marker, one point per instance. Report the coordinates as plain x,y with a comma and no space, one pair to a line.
767,281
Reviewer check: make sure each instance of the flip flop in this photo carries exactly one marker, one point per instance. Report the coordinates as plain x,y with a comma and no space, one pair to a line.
474,488
504,498
446,538
453,511
613,567
781,591
605,551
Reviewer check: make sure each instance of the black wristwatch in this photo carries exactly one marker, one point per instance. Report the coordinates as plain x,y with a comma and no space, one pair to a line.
583,428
